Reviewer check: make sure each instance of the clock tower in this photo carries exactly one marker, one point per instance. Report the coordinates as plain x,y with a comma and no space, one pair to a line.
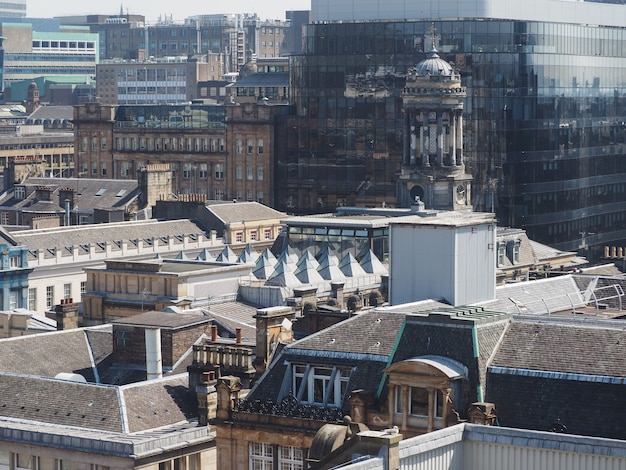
433,168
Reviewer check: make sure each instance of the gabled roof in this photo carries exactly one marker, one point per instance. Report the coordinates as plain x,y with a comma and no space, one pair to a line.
52,113
235,212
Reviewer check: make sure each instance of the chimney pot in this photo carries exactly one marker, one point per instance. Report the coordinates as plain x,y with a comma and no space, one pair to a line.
239,336
213,332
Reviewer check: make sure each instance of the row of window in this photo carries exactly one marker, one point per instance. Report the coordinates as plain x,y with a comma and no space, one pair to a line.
253,234
250,146
166,144
50,299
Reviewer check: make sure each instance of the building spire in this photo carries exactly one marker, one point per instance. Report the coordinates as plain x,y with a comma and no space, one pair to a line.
121,10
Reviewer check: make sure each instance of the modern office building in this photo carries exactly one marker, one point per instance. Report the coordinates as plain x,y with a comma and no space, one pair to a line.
168,80
543,117
13,9
28,53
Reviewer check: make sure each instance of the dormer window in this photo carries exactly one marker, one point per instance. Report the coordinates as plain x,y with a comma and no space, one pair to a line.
319,385
20,193
501,253
516,251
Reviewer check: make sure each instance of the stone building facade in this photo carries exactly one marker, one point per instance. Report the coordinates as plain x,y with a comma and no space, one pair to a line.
221,152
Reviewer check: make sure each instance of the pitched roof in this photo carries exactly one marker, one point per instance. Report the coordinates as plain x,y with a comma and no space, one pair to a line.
159,319
229,212
49,354
127,409
370,333
564,346
101,234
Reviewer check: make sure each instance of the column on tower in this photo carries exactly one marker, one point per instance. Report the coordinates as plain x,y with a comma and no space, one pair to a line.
459,138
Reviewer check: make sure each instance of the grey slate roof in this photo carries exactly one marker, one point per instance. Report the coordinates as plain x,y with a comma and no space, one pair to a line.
162,320
49,354
91,193
126,409
52,113
229,212
567,347
113,233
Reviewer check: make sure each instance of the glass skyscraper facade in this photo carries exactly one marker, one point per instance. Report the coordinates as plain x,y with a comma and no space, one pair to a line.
544,121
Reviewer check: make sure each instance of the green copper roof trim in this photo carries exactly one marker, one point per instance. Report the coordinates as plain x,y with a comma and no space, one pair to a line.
381,386
475,341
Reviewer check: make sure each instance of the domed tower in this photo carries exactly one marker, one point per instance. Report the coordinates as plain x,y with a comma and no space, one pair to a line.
433,167
32,98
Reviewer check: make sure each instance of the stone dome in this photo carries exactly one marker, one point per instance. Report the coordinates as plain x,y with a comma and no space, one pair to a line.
434,66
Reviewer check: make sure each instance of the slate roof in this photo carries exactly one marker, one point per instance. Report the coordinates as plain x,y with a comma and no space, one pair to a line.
49,354
566,347
52,113
162,320
369,333
91,193
60,402
230,212
235,314
127,409
158,403
113,233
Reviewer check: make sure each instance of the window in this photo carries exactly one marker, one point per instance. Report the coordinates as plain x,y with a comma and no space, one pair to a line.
261,456
253,235
14,261
222,145
260,146
418,401
49,296
259,196
267,234
239,172
20,192
4,218
250,145
219,171
32,298
104,169
94,144
203,170
67,291
249,173
13,297
501,253
249,195
83,144
118,143
219,194
213,145
320,385
94,168
516,252
239,147
290,458
83,286
239,237
259,173
122,338
103,143
186,170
